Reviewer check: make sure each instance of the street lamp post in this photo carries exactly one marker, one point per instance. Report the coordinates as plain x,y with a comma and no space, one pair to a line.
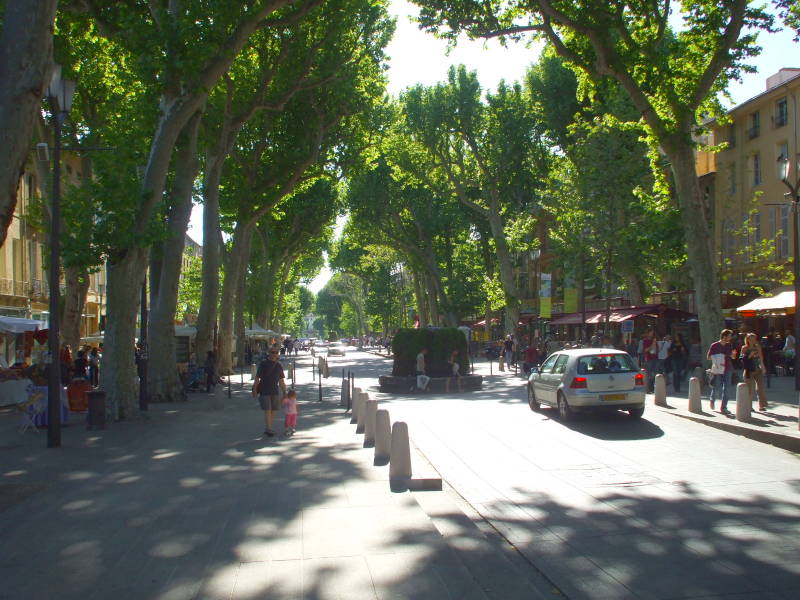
794,196
59,94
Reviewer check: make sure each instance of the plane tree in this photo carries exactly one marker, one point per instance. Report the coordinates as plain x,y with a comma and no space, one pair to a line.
673,79
491,155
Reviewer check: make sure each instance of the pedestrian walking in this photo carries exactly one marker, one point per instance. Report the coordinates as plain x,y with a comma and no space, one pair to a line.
679,361
789,349
721,354
752,356
210,367
422,378
94,367
290,413
270,387
650,353
662,366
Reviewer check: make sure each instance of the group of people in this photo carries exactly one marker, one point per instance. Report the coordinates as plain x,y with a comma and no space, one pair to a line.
667,356
85,364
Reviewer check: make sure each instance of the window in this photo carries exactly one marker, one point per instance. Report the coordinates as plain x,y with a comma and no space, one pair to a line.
605,363
548,364
729,240
781,154
731,136
782,242
732,178
781,113
756,169
561,364
772,224
755,126
755,235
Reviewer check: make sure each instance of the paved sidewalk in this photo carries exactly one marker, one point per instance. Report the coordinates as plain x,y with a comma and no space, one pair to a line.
194,503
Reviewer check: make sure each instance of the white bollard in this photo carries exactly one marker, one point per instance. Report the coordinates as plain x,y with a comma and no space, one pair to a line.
253,369
362,413
383,437
218,397
354,405
743,403
695,406
660,390
400,454
370,410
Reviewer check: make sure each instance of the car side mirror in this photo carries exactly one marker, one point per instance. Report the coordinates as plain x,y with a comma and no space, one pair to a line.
534,370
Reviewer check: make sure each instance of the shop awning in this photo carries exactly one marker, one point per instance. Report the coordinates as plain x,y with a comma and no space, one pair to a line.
782,303
18,325
619,314
259,333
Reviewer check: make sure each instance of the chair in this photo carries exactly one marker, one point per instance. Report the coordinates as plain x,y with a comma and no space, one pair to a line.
31,409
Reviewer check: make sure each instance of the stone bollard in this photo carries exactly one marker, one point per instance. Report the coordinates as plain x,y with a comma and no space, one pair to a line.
290,371
362,413
218,397
253,370
354,405
695,406
700,373
743,403
370,409
400,457
661,390
383,437
345,392
500,362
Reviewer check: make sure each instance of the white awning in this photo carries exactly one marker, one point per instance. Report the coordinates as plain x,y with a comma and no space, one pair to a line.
780,303
18,325
259,333
185,331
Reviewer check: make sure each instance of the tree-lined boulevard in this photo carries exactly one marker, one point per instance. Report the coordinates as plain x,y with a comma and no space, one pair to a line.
606,180
532,508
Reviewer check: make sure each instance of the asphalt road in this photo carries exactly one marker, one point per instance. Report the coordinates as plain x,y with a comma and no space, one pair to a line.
609,507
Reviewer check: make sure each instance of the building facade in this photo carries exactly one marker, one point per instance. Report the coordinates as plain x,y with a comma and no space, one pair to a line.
751,213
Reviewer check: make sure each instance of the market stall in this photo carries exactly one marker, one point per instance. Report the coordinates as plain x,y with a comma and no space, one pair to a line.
18,337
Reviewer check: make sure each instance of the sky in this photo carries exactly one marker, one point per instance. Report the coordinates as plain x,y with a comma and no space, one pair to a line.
418,57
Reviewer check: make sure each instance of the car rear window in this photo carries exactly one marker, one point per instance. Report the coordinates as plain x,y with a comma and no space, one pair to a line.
605,363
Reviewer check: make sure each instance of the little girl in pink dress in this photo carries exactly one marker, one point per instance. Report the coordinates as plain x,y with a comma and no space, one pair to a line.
290,410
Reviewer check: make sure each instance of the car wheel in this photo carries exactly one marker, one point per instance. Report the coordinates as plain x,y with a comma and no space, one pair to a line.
532,401
564,411
636,413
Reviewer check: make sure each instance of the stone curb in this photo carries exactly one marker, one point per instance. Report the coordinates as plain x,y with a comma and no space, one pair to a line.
786,441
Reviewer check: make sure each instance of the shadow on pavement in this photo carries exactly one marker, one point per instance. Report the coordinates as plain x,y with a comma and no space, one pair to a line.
612,426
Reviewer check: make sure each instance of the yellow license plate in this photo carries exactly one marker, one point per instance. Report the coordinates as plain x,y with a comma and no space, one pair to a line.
611,397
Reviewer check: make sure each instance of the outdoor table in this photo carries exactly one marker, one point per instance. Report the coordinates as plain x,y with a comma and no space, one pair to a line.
41,419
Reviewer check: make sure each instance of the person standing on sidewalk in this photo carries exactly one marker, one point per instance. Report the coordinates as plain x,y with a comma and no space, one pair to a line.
721,353
422,379
210,368
679,359
270,387
650,353
754,369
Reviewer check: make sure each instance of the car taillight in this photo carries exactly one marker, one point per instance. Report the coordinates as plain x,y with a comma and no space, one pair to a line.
639,379
579,383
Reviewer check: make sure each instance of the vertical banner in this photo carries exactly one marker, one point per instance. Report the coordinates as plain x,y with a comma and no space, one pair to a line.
545,296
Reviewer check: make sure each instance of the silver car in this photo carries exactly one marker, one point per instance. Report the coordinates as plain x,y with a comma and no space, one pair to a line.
336,349
588,379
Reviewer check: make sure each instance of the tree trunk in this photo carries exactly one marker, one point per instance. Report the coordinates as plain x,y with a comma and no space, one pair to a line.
162,369
433,299
699,239
234,263
510,290
118,377
422,303
635,289
238,322
26,55
76,288
211,257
